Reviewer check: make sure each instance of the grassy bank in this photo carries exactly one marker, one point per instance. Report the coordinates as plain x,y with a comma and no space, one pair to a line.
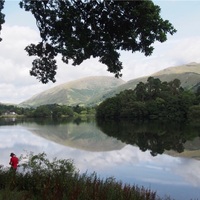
60,180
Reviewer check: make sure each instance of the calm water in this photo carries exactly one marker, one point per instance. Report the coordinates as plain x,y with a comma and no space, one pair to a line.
145,154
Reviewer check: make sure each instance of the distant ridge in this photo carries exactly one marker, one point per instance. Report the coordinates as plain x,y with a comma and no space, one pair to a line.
190,67
188,74
80,91
95,89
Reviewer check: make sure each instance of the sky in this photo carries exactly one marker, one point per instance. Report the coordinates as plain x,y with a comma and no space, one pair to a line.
19,30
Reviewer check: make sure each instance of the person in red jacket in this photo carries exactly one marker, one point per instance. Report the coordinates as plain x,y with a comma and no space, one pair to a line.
13,161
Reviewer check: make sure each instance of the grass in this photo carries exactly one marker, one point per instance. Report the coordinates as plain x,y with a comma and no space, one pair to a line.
60,180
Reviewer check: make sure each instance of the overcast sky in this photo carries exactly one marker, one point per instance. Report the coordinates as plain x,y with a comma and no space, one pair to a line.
19,30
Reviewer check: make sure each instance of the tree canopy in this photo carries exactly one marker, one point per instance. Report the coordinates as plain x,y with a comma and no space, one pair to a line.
80,29
152,100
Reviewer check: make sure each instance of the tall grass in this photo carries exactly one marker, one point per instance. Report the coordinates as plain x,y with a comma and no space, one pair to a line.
60,180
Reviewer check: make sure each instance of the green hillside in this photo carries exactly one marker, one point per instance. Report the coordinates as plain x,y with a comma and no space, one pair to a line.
93,90
190,67
75,92
188,81
188,74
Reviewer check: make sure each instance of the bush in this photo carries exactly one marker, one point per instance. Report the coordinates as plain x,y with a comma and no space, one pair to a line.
45,180
194,112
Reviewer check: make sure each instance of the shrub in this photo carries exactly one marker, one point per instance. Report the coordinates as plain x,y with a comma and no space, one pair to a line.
59,179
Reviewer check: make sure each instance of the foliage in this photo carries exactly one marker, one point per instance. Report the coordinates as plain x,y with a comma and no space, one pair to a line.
54,111
111,108
42,111
6,109
78,30
194,112
2,16
151,100
42,180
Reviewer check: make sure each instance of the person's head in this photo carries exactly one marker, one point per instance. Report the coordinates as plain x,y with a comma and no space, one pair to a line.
12,154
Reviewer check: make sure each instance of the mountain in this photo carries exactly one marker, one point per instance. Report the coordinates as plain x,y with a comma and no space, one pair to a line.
190,67
188,74
93,90
75,92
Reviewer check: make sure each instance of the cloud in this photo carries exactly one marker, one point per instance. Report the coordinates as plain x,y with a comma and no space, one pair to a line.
17,84
90,67
15,64
171,53
190,171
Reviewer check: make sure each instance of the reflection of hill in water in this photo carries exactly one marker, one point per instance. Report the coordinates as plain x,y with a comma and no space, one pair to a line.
84,136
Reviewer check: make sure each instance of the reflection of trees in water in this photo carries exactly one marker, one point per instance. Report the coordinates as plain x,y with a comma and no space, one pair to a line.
49,121
154,136
8,121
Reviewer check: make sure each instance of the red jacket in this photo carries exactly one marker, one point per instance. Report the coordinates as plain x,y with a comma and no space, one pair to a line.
14,162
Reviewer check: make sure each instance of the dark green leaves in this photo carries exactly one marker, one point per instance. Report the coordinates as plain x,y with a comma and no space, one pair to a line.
78,30
2,16
45,67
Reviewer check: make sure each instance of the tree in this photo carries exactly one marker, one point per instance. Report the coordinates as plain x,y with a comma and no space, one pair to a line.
42,111
140,91
153,87
110,108
2,16
78,30
198,91
194,112
175,86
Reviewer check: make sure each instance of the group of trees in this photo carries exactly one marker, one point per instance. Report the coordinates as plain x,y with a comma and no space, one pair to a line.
45,111
8,109
153,99
56,111
78,30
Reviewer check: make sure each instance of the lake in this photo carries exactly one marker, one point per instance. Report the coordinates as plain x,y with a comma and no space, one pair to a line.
163,157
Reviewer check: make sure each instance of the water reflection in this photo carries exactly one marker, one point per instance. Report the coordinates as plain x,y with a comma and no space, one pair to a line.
72,133
158,137
175,176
